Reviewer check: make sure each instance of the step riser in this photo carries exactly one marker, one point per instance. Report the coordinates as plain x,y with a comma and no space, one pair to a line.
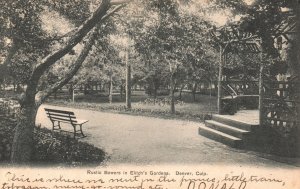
234,123
227,131
219,138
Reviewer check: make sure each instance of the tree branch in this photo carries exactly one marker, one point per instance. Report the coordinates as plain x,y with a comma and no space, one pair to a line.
42,95
118,2
99,15
117,8
74,40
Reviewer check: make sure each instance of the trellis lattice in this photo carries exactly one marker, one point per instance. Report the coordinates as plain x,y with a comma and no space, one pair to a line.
232,39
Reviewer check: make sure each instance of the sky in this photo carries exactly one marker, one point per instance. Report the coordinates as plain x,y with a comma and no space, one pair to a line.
53,23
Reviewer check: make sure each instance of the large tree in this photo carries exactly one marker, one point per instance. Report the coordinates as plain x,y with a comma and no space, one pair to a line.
23,19
172,43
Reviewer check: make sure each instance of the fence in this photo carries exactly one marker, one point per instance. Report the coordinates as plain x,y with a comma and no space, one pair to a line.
279,105
280,116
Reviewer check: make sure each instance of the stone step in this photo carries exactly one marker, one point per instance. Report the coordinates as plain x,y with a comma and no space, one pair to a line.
220,137
234,123
233,131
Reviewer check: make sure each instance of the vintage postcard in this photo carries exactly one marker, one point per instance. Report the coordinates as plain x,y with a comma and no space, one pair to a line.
149,94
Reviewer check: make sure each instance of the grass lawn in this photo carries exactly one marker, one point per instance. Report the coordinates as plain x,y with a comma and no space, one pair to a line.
204,105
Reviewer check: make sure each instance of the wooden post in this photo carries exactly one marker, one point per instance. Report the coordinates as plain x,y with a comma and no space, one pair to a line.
260,104
220,80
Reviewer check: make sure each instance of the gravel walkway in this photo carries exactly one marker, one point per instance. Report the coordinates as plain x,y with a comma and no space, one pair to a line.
138,140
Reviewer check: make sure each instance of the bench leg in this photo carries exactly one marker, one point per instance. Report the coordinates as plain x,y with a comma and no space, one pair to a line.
54,126
75,131
81,131
74,126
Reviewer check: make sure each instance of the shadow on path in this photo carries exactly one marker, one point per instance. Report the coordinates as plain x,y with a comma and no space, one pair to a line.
138,140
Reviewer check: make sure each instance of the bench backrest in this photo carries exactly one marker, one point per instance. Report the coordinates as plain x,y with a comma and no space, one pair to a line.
61,115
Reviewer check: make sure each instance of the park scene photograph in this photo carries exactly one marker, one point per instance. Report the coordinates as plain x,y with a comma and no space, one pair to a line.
87,83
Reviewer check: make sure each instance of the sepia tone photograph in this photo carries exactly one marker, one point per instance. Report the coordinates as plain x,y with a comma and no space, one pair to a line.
88,85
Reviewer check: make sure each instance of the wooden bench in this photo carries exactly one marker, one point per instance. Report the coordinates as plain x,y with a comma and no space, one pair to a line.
60,116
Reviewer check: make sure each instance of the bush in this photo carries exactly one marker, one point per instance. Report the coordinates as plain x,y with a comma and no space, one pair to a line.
51,148
57,148
6,138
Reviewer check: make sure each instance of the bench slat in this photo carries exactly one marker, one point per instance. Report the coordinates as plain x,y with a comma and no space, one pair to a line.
59,111
61,115
81,121
62,119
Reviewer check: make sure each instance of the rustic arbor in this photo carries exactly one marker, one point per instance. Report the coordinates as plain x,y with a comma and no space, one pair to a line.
232,40
278,85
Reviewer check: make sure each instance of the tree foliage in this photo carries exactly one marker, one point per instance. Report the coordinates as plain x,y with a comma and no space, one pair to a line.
172,42
27,42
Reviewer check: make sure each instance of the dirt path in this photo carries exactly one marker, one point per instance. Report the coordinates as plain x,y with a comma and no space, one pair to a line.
138,140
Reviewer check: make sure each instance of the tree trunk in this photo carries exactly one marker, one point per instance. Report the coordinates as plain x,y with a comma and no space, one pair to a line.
180,93
14,86
19,88
22,146
73,95
296,69
128,83
71,92
4,85
220,80
155,92
172,94
194,91
110,90
121,91
85,89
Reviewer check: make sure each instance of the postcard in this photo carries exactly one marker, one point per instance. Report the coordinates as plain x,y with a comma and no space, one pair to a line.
160,94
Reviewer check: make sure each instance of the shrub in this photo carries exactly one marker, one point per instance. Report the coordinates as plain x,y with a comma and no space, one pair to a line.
6,138
57,148
51,147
